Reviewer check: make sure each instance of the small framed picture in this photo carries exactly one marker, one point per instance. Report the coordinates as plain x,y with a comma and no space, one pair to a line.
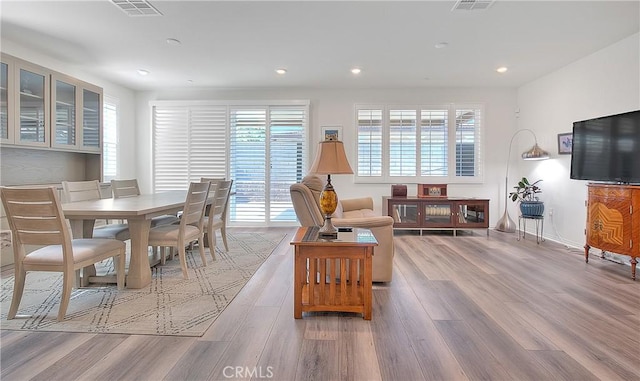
565,142
331,132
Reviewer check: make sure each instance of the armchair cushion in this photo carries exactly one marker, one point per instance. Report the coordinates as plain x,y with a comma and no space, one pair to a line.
357,213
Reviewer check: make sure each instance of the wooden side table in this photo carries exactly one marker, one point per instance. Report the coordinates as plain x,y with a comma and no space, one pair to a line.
335,274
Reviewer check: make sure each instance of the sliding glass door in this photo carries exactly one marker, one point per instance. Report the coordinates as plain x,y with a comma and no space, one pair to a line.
263,149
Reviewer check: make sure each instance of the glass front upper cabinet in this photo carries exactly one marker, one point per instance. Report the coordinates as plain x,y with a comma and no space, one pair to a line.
6,134
65,113
33,107
91,118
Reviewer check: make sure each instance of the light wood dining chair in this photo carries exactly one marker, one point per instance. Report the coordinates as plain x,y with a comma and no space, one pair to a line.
90,190
189,229
36,218
216,219
130,188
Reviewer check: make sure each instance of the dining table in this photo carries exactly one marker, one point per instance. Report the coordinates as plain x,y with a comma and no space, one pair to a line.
138,211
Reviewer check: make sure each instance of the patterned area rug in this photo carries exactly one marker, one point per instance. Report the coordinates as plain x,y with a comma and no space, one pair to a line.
170,305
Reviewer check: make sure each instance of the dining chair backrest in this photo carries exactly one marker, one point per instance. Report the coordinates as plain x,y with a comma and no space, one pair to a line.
193,211
125,188
81,190
216,218
36,218
214,181
220,199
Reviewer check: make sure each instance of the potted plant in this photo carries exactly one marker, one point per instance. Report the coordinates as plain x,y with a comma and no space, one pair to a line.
526,193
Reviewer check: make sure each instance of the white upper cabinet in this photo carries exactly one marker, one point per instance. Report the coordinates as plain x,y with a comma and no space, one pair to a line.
43,108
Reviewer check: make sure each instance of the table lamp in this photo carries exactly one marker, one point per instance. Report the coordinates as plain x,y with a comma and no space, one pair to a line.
330,159
506,224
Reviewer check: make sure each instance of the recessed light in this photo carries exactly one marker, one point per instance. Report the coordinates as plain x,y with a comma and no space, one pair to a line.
502,69
281,71
356,70
143,72
173,41
441,45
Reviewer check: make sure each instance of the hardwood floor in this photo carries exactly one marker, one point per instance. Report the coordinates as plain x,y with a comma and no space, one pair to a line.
469,307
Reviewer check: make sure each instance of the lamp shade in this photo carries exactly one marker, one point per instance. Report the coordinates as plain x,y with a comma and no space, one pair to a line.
535,153
331,159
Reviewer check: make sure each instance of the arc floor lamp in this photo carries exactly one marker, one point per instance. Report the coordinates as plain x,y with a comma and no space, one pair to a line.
505,223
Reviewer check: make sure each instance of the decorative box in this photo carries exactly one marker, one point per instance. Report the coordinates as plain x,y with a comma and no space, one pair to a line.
399,190
432,190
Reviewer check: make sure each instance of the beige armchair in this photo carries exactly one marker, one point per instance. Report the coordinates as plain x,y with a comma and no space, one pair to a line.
356,212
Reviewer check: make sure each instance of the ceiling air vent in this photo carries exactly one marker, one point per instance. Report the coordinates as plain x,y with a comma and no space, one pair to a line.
472,5
136,7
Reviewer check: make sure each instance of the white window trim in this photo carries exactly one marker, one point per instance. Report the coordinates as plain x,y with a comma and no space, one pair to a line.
229,107
451,178
115,101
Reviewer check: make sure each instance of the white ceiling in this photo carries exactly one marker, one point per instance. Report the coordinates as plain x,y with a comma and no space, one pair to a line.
239,44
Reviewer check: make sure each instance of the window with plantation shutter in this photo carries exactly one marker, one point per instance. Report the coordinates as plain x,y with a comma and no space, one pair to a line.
170,148
267,155
248,159
402,143
369,123
287,158
207,142
262,148
467,142
189,142
433,143
425,144
110,139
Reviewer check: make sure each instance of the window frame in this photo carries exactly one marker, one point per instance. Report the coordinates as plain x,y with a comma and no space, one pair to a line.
109,101
451,178
229,107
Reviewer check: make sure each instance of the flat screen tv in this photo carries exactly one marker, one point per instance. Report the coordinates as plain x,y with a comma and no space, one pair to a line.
607,149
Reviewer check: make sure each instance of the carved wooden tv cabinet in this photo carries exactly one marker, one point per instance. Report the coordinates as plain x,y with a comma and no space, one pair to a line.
611,222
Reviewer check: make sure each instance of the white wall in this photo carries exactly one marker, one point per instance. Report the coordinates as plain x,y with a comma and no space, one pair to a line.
336,107
604,83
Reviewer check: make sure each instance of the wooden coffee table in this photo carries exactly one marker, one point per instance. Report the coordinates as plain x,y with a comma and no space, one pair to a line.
333,274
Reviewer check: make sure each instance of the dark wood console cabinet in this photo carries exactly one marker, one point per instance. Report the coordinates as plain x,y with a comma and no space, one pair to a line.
441,213
612,224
